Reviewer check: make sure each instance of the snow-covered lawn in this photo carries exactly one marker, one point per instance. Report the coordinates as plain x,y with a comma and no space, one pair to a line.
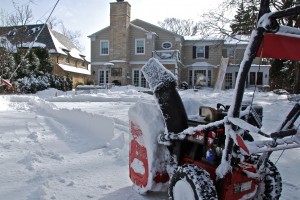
75,146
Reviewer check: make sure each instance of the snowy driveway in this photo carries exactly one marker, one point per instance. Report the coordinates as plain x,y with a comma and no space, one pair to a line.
66,148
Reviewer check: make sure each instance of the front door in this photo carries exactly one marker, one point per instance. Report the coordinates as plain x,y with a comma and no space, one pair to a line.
102,77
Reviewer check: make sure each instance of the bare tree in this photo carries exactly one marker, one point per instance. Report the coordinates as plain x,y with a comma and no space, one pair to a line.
53,22
3,17
180,26
58,25
23,15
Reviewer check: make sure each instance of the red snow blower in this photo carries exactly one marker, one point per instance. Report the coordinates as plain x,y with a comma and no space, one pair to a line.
217,157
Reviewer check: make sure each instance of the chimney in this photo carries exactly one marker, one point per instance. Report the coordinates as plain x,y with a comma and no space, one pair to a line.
119,30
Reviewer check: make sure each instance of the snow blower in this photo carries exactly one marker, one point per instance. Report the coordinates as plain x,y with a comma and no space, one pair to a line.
216,157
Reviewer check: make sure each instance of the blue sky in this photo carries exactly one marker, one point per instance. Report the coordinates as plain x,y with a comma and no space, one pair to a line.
89,16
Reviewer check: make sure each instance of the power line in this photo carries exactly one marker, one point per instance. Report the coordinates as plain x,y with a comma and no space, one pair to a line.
30,47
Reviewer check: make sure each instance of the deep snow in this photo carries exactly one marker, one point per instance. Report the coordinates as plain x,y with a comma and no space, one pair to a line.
56,145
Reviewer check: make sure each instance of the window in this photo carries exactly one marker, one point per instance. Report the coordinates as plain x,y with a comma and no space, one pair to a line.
200,77
138,79
103,77
256,78
140,46
166,45
104,47
259,80
67,59
191,82
208,78
143,81
252,78
231,55
200,52
228,81
116,71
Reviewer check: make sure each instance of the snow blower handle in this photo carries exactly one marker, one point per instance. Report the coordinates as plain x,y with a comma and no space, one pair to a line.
282,134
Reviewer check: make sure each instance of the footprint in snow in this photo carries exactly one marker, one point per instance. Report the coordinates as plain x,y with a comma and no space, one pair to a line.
105,187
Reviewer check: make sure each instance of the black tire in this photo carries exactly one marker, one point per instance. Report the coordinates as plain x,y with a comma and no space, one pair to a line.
271,187
194,181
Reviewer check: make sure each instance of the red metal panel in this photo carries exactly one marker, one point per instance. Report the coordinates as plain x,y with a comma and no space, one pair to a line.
280,47
140,153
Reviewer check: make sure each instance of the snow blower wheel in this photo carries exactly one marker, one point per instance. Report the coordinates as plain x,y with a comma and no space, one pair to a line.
271,187
191,182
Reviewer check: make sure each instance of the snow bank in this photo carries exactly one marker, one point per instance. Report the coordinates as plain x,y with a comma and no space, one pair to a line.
98,129
4,104
115,94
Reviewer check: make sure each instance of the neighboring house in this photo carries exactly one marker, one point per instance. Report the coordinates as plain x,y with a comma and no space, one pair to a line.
119,51
65,56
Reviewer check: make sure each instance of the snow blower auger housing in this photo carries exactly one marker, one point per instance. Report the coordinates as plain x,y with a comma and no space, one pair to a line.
216,158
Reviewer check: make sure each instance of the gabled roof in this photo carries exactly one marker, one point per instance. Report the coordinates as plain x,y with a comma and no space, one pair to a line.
139,22
24,36
96,33
104,29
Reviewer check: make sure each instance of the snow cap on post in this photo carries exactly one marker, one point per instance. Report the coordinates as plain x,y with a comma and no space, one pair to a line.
157,75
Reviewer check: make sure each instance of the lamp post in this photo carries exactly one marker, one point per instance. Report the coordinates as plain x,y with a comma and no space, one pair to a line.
107,66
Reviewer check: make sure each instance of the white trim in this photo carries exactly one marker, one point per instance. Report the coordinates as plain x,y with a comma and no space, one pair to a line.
166,42
98,63
102,54
138,62
118,61
135,48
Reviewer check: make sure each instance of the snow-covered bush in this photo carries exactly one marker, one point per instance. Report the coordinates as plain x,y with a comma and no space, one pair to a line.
33,84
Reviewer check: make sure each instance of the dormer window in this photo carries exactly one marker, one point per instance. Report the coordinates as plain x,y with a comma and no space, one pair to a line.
33,30
67,59
11,33
166,45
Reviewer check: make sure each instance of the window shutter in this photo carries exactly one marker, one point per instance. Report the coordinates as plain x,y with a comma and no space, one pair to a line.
194,52
206,51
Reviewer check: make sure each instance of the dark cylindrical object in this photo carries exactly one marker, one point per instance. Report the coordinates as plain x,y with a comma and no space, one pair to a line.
163,83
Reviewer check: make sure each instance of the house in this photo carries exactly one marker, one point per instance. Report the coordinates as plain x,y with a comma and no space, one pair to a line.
119,51
64,55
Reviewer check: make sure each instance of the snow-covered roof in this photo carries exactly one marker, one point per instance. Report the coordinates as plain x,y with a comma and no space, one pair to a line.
64,45
201,64
31,44
54,41
200,37
75,69
237,39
